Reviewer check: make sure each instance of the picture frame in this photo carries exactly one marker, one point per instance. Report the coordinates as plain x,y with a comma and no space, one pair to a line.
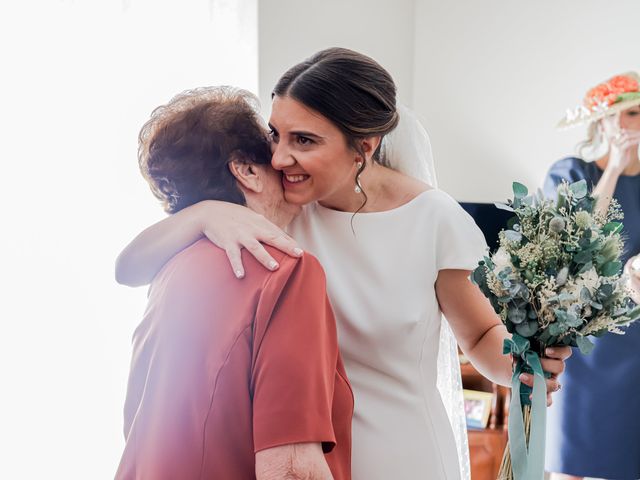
477,408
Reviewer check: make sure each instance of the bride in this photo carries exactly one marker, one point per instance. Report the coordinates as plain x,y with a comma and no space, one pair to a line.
397,252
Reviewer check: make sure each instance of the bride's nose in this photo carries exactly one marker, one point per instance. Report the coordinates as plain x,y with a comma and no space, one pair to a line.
281,156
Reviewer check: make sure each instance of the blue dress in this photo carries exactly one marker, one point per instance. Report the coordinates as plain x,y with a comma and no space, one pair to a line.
593,426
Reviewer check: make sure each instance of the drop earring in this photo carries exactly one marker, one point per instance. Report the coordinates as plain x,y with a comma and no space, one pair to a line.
357,188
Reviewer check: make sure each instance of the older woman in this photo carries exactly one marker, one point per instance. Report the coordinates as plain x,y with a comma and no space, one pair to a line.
231,379
593,426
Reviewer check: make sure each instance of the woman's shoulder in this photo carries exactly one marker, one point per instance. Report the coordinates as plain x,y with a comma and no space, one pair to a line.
443,215
459,241
430,201
573,169
570,164
441,201
399,190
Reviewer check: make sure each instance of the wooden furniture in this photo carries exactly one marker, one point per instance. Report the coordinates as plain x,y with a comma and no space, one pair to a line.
486,446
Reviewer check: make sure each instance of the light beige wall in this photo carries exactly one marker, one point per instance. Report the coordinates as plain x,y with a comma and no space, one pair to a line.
291,30
489,78
493,77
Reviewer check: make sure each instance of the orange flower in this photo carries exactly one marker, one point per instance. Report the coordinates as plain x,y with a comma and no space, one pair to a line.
623,84
608,92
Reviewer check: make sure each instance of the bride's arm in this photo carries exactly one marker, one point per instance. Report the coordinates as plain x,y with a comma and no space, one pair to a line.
230,226
481,334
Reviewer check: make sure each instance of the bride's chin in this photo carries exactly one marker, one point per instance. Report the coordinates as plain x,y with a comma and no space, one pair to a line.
296,199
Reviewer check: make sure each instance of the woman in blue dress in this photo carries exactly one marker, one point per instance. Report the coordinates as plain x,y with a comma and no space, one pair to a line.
594,423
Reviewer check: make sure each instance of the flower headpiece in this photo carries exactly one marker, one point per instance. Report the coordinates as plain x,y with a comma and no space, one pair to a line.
615,95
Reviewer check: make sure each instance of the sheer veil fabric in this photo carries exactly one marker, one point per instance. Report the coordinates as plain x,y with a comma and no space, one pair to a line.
408,150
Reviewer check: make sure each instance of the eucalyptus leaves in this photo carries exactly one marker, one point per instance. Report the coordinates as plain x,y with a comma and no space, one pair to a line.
556,278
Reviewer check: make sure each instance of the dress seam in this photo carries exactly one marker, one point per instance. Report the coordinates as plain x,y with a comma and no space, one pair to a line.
213,394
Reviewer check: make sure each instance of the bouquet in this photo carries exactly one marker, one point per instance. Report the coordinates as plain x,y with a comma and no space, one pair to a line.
554,280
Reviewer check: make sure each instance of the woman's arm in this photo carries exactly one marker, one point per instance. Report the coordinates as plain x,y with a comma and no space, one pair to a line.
481,335
620,157
300,461
229,226
605,188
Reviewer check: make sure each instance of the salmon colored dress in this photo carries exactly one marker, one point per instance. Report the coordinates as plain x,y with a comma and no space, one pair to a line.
223,368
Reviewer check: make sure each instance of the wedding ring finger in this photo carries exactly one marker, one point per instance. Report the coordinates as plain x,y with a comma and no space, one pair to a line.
553,385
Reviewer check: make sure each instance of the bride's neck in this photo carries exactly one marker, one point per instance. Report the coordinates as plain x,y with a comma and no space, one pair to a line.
382,187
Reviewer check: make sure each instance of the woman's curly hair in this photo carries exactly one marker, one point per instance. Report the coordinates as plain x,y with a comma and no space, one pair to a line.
185,147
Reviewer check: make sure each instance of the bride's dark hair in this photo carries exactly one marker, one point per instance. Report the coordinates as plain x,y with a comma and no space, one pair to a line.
350,89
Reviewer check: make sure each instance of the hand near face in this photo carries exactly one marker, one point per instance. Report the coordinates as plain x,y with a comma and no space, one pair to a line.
633,274
553,363
623,133
622,149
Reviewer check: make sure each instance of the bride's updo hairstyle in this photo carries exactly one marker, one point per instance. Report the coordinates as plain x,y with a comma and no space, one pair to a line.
350,89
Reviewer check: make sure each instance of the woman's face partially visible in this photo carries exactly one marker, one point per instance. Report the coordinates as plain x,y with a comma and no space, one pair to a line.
312,153
630,119
627,120
273,203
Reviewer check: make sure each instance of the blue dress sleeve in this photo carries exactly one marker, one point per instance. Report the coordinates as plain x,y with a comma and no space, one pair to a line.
571,169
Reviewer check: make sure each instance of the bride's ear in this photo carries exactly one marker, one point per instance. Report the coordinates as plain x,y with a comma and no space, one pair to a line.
369,146
247,174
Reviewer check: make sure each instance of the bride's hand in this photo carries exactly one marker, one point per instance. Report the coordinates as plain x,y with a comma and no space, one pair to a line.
553,363
230,226
234,227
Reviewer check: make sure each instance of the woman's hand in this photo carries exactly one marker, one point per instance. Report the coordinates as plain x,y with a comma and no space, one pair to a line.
481,335
234,227
230,226
553,363
621,153
633,278
621,156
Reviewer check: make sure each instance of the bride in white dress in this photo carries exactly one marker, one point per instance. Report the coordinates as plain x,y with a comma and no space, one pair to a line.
397,253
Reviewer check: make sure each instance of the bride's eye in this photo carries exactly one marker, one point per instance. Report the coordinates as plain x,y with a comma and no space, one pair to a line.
302,140
273,136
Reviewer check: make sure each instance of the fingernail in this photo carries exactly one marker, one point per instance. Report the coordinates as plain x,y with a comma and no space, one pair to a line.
524,376
273,264
239,273
550,351
297,251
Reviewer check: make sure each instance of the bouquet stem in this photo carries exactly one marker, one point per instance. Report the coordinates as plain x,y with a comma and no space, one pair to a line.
506,472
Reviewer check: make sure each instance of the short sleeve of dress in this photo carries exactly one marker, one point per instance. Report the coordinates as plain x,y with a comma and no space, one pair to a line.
460,244
295,360
570,169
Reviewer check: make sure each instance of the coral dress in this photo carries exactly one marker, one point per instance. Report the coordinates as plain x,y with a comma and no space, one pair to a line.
223,368
380,278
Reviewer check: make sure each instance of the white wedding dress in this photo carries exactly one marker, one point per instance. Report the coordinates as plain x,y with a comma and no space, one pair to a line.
380,278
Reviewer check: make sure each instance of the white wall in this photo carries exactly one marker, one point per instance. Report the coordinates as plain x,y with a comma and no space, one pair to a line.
80,78
492,78
291,30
